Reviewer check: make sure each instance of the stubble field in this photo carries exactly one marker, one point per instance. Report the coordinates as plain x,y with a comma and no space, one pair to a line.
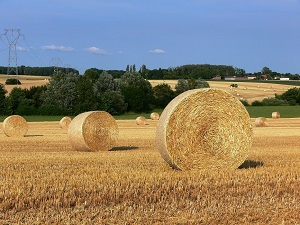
44,181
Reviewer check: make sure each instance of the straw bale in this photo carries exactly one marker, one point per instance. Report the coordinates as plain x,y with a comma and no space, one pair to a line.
65,122
141,120
260,122
275,115
154,116
204,129
93,131
15,126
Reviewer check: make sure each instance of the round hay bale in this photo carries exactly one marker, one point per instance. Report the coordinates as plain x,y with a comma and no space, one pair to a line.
93,131
204,129
65,122
154,116
260,122
15,126
141,120
275,115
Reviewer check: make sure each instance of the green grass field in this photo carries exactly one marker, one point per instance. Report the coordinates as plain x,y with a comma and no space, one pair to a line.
254,111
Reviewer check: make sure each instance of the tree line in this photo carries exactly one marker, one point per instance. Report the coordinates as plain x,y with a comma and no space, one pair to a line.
71,94
192,71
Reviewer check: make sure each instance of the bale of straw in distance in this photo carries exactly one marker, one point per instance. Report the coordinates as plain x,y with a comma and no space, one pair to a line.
154,116
204,129
260,122
141,120
65,122
275,115
93,131
15,126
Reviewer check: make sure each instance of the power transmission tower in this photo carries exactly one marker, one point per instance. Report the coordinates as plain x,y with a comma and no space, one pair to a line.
55,62
12,36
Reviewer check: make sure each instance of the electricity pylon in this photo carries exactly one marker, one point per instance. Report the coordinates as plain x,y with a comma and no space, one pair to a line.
12,36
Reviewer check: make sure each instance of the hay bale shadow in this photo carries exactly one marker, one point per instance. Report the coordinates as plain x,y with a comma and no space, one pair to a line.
123,148
250,164
33,135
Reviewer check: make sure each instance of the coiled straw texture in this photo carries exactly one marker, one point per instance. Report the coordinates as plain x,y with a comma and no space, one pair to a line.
15,126
93,131
204,129
65,122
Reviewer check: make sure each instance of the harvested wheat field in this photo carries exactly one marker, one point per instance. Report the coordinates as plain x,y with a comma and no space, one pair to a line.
45,181
249,91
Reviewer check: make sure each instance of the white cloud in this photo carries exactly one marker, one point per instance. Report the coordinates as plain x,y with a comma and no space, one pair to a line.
58,48
157,51
22,49
96,50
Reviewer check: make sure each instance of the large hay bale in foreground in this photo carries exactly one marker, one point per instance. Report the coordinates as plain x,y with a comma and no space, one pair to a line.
154,116
93,131
275,115
65,122
141,120
260,122
204,129
15,126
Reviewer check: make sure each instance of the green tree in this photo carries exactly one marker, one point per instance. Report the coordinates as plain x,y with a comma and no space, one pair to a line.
163,94
292,96
201,84
61,92
137,92
16,96
85,99
93,73
113,102
3,92
35,94
266,70
104,83
181,86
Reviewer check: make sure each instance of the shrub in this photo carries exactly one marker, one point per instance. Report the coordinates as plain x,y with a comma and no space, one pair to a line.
244,102
12,81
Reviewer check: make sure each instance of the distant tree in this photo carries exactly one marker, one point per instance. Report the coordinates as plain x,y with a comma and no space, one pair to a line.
163,94
292,96
26,107
181,86
85,99
3,92
113,102
105,82
137,92
266,70
239,72
35,94
61,92
201,84
16,96
92,73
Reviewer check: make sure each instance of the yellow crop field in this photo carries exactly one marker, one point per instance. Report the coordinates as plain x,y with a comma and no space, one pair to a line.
44,181
249,91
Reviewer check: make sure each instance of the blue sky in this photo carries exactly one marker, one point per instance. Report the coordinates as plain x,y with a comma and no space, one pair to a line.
110,34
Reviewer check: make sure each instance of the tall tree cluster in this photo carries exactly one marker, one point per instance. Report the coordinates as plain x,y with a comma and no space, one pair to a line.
72,94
